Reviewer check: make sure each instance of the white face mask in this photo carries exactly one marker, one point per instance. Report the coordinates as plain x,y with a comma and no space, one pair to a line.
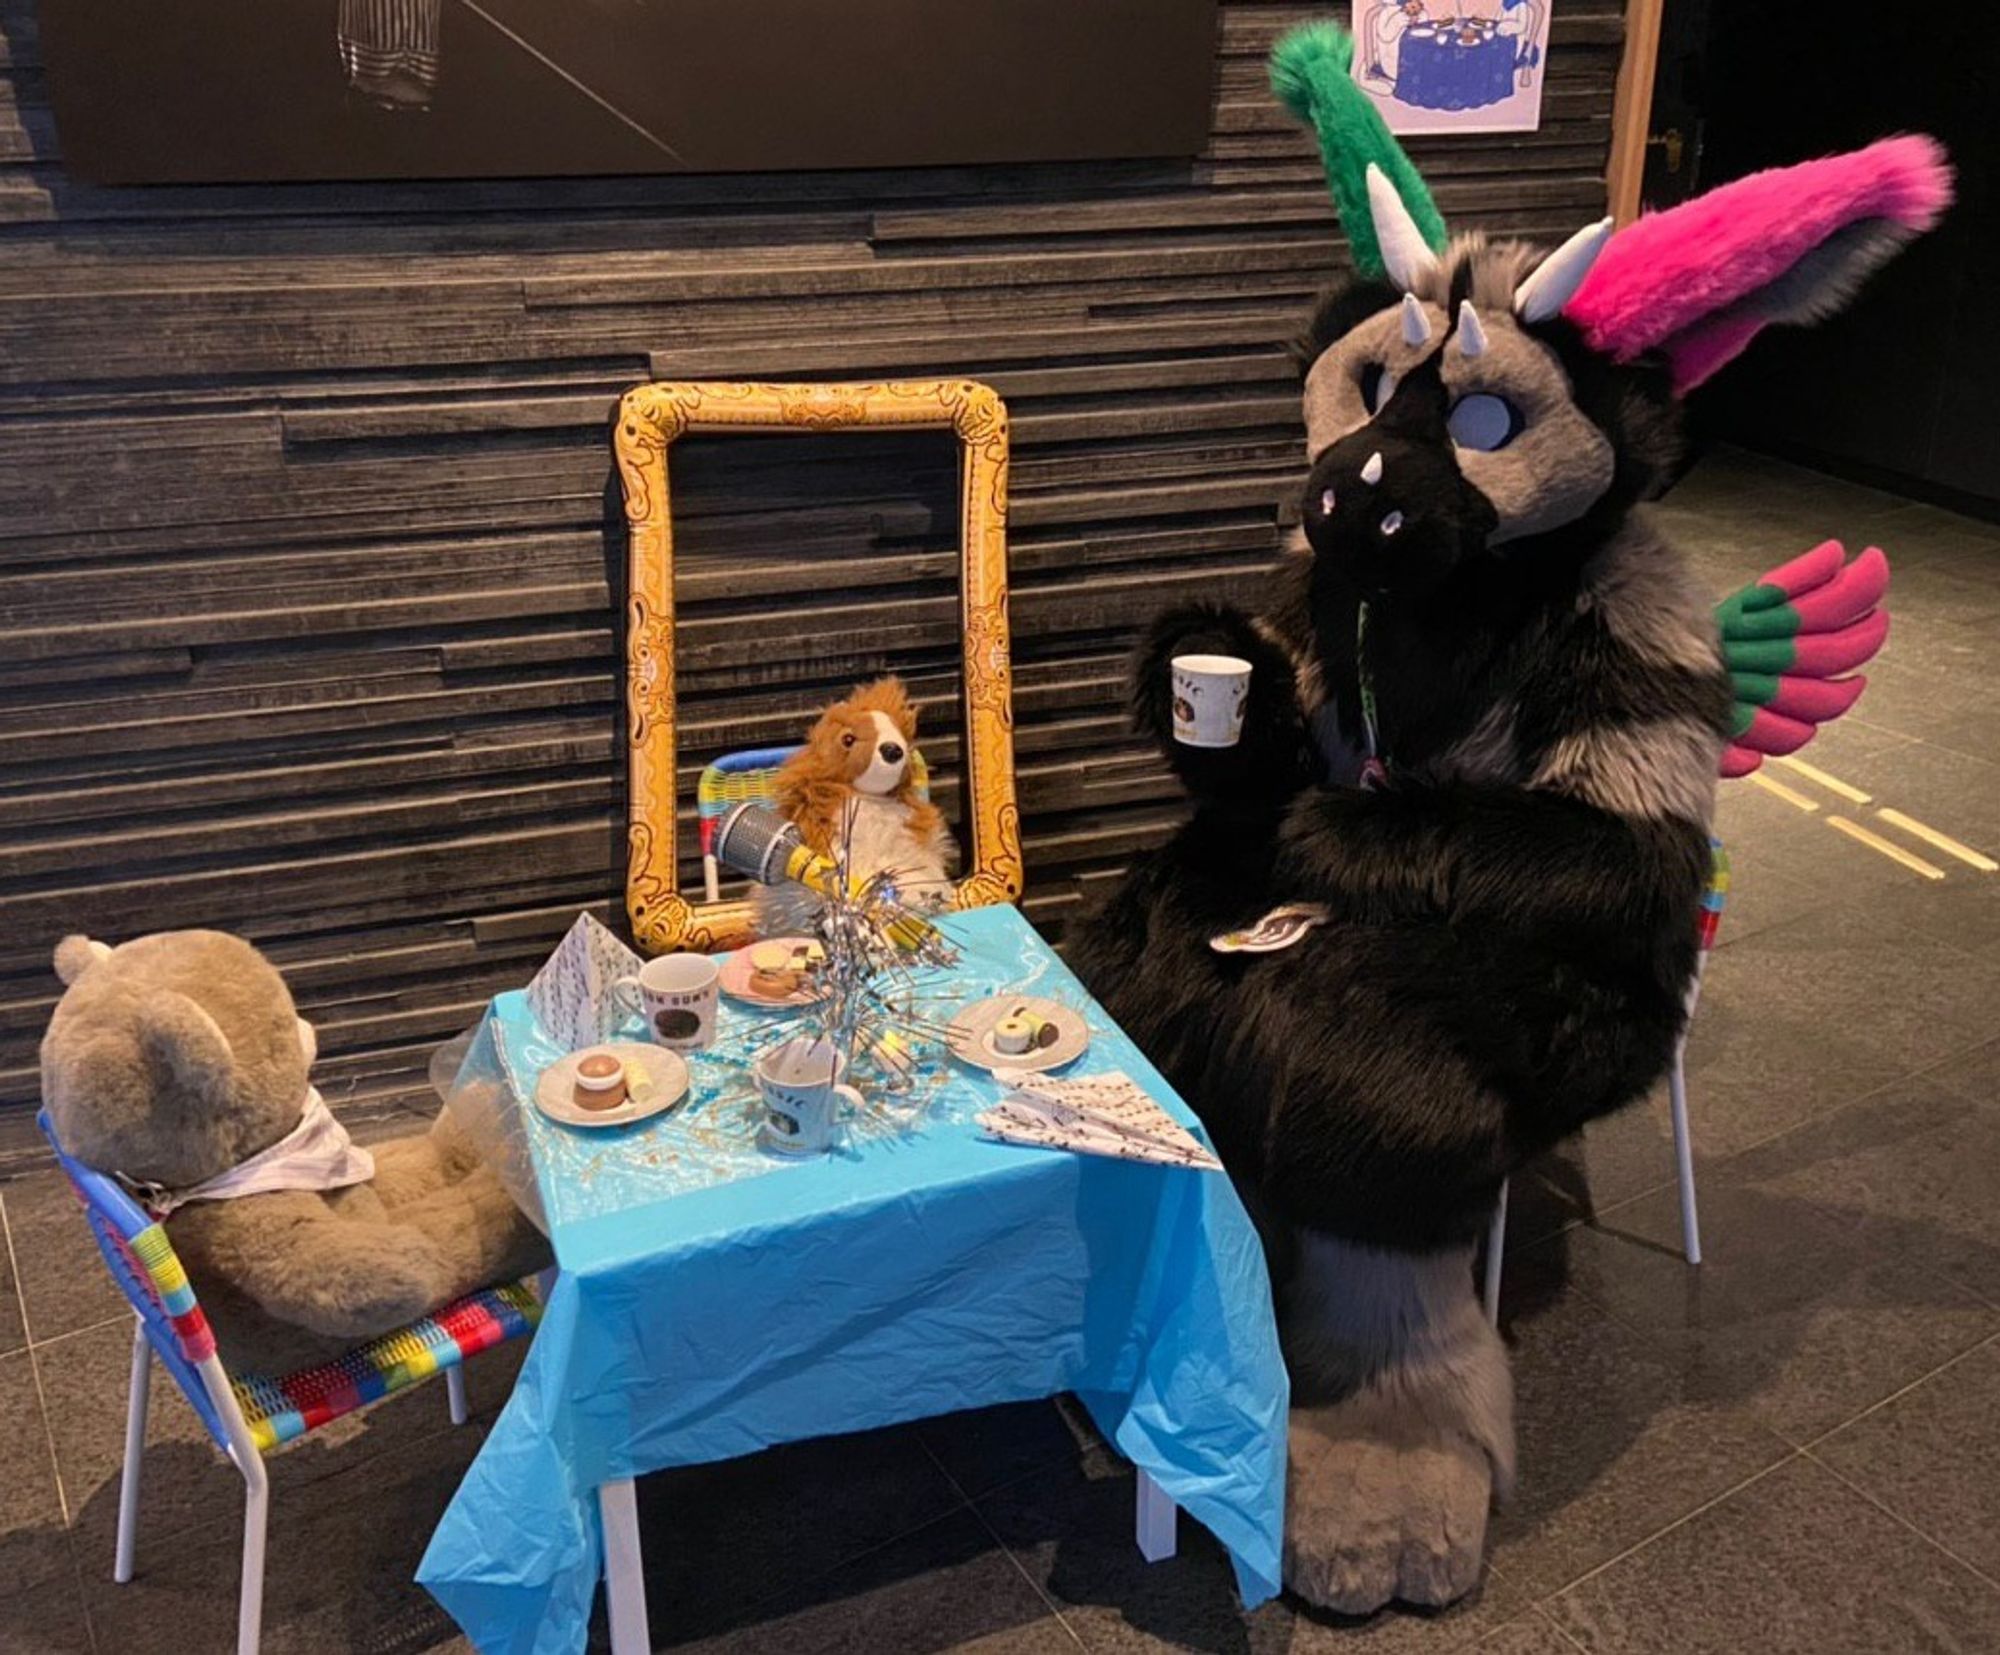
884,775
317,1154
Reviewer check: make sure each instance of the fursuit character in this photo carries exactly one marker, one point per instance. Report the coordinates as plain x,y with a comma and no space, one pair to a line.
1483,733
854,791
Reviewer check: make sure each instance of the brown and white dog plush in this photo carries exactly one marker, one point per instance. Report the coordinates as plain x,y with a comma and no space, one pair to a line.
853,784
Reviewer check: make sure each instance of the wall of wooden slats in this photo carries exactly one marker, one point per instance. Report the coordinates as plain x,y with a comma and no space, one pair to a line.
309,556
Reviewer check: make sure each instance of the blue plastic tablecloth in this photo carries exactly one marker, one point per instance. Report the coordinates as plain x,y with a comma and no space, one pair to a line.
702,1312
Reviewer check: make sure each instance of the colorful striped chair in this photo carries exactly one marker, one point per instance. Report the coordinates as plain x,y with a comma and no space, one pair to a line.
250,1414
1709,920
751,776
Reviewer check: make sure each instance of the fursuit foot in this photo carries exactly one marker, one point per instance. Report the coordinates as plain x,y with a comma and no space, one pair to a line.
1402,1434
1382,1509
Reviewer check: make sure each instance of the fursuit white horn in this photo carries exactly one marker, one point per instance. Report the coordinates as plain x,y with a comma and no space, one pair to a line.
1406,256
1553,282
1416,325
1471,333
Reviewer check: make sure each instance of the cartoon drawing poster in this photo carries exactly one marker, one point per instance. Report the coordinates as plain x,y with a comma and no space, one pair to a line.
1453,65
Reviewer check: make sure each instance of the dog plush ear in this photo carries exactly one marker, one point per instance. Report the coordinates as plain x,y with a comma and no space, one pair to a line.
1698,282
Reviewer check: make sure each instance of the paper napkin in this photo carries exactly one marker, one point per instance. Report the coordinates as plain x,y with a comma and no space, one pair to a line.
571,995
1093,1115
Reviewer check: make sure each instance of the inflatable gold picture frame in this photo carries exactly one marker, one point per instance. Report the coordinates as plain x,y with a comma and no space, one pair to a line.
650,419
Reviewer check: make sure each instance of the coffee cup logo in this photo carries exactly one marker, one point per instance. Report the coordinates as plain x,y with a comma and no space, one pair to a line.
677,1023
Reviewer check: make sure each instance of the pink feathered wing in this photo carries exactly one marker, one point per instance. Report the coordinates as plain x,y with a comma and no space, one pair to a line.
1699,281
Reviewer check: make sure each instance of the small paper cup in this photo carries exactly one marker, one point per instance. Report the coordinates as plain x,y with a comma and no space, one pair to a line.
1209,692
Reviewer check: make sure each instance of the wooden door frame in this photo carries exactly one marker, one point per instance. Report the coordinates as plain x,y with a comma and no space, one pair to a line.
1632,109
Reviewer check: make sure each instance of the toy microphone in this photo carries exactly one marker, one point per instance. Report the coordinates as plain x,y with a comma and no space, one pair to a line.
756,840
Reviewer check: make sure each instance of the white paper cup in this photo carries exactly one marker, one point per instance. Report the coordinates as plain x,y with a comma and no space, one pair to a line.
678,994
1209,692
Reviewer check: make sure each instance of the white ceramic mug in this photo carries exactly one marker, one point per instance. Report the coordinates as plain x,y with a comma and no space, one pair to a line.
1209,692
799,1082
678,994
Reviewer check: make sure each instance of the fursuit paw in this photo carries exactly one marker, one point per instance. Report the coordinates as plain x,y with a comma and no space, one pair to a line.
1382,1509
1273,758
1402,1430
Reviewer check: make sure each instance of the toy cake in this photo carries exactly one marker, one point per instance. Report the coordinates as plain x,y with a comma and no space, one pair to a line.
601,1082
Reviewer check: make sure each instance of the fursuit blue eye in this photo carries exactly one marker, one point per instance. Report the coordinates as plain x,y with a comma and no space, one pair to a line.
1378,384
1484,422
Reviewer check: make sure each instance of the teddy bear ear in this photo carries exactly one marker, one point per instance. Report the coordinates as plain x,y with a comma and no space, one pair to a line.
76,955
178,1035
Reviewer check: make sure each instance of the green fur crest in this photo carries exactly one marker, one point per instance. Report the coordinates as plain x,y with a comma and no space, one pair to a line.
1309,73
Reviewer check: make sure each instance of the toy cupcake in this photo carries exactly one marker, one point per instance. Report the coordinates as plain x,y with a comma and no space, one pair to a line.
772,969
601,1082
1020,1032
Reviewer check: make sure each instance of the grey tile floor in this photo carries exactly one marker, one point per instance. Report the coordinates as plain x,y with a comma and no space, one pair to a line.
1796,1447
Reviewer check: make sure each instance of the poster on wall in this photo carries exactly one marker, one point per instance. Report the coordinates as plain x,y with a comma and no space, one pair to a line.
206,91
1453,65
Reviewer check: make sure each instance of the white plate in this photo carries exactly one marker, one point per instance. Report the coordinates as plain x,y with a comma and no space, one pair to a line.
555,1090
970,1034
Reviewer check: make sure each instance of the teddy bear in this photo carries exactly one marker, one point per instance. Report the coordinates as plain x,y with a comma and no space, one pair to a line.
854,785
178,1064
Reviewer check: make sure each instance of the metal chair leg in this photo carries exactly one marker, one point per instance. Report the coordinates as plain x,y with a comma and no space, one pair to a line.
135,1453
624,1572
454,1387
1496,1254
1684,1156
1158,1521
256,1514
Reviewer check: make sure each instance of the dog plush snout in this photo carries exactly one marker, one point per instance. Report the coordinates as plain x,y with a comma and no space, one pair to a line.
891,751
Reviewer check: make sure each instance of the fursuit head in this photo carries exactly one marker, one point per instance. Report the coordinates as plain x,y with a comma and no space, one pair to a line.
1487,714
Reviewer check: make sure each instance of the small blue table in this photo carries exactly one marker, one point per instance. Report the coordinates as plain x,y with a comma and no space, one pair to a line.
713,1300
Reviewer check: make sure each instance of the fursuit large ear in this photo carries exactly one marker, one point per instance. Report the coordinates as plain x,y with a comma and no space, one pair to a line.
1699,281
1309,73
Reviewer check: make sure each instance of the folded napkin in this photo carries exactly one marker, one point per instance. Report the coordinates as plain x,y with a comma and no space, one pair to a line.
1092,1115
571,996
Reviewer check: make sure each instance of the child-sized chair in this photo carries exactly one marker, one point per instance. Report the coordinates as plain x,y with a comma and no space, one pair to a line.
1709,920
751,776
249,1415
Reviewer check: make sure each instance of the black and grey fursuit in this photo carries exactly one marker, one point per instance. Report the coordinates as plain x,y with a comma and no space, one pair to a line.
1513,915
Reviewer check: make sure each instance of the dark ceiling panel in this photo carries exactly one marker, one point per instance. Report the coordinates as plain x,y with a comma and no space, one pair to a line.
209,90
